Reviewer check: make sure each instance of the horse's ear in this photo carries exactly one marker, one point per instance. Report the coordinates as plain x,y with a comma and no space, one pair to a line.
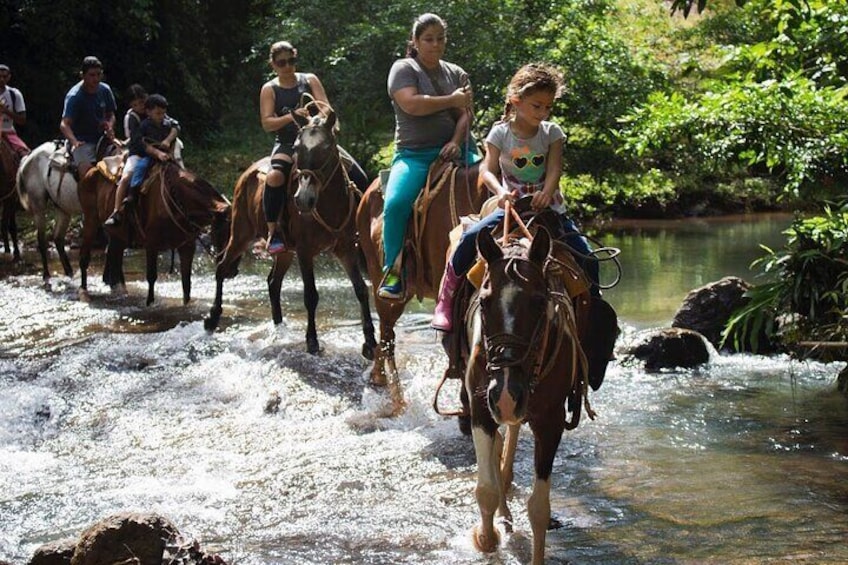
330,121
487,246
298,119
541,246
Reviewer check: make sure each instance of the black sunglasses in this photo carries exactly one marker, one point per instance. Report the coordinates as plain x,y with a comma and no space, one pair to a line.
282,62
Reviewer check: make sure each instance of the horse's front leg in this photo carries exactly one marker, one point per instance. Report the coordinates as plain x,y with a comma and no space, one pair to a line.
63,220
310,300
488,490
350,263
507,451
548,435
282,262
484,432
186,258
152,272
227,268
89,233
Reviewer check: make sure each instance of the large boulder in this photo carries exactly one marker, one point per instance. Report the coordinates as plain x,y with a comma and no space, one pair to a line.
707,310
669,348
128,537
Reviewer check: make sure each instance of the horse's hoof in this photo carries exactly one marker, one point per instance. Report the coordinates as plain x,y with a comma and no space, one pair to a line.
378,380
83,295
209,324
505,522
312,346
368,351
483,543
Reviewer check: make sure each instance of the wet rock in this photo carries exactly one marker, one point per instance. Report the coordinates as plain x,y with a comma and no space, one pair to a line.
707,310
139,539
54,553
272,405
668,348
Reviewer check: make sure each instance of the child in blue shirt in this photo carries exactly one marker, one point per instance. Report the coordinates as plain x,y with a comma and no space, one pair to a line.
151,140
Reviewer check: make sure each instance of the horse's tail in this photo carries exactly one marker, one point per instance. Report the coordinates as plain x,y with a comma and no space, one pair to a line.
23,197
220,230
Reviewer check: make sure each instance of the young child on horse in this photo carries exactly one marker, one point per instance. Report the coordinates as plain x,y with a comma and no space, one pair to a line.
430,98
151,140
137,96
523,157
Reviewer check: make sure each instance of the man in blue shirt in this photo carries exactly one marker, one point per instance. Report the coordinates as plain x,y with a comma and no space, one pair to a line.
88,115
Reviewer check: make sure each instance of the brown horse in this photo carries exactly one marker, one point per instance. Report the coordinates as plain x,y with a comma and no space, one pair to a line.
525,364
177,207
9,198
320,218
451,192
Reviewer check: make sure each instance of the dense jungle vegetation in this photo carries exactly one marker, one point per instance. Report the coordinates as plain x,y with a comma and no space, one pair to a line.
738,106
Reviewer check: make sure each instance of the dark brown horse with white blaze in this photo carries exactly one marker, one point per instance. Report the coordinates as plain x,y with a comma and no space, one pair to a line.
320,218
177,207
525,365
9,199
451,192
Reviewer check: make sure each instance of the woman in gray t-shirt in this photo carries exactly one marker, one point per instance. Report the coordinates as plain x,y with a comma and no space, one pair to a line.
431,99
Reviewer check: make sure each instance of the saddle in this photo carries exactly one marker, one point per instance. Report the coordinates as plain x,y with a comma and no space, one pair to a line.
111,167
596,320
61,159
442,174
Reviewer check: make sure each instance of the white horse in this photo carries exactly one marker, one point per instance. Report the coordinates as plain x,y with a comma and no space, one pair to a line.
44,178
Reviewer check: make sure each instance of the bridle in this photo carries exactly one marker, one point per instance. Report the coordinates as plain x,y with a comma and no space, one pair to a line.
506,349
321,178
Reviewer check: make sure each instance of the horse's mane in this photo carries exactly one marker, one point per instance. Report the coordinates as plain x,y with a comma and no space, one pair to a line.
197,196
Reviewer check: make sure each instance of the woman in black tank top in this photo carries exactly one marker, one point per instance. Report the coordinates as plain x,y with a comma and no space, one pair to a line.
277,98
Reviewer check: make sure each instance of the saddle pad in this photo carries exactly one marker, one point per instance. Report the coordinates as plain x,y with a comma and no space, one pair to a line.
110,167
59,160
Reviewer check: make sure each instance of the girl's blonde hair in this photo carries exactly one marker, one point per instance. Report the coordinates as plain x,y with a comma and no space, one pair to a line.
531,78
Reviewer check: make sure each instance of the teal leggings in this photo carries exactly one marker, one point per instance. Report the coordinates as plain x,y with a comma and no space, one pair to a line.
407,178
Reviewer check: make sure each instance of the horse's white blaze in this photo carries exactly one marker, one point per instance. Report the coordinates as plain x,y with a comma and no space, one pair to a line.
507,298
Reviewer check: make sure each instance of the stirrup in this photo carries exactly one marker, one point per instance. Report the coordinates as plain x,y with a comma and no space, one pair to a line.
114,219
391,287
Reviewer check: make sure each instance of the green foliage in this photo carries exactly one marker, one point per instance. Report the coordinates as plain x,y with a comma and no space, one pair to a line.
792,128
617,193
807,288
775,105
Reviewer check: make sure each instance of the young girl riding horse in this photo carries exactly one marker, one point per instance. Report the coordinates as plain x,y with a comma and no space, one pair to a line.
523,157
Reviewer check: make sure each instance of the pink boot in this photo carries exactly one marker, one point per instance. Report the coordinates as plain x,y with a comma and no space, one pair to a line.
443,314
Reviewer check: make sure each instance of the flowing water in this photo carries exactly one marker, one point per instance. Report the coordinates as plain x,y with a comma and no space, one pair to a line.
269,455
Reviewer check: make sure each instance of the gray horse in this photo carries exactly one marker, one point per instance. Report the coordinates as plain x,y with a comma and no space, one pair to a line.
43,178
